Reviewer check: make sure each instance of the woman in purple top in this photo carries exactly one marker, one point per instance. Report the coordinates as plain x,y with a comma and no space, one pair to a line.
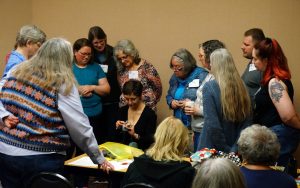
259,148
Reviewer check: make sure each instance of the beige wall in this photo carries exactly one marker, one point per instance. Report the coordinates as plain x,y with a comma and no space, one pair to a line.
159,27
13,14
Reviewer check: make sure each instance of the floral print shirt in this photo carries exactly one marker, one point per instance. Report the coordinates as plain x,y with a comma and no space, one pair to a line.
150,79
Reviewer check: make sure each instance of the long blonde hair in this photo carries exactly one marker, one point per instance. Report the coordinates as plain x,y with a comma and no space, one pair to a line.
52,65
171,141
235,100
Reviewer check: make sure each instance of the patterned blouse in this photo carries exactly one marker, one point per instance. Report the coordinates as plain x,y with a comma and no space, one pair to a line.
149,77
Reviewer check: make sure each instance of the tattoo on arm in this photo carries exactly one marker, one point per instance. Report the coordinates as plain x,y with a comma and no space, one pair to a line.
276,91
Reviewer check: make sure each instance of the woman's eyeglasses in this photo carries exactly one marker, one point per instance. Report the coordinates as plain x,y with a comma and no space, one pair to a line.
85,54
177,68
120,59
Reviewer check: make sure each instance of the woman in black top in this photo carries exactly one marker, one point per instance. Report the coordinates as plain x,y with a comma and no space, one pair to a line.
137,122
274,100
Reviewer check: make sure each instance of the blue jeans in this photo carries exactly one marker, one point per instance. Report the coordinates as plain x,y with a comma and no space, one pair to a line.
288,138
17,171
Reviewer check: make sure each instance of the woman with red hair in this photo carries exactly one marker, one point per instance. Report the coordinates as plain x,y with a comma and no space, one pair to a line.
274,100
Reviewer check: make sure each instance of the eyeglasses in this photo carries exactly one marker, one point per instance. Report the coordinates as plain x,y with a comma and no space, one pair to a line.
177,68
120,59
85,54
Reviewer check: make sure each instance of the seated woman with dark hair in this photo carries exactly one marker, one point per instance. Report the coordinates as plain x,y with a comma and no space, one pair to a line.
260,148
163,164
137,122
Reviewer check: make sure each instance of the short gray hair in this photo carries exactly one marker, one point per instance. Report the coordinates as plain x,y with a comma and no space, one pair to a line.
182,55
30,33
258,145
219,172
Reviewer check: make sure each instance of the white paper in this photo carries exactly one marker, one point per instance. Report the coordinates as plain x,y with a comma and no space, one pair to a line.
83,161
87,162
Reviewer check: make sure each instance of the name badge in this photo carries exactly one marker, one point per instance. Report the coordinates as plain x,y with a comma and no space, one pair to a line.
133,75
104,68
194,83
252,67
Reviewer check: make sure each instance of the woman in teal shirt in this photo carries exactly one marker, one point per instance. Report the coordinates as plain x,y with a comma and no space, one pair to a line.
92,83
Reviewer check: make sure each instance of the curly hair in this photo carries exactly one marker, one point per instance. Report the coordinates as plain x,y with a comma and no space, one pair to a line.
210,46
258,145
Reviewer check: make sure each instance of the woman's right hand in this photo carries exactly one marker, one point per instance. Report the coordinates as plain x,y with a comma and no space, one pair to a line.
85,91
189,110
177,104
119,124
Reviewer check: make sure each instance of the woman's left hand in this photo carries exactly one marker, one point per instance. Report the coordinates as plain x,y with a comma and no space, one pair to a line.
11,121
131,131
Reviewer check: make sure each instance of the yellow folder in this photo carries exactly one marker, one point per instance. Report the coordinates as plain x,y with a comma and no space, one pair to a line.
115,150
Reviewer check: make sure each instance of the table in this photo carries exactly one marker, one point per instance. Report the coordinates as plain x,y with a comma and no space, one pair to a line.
82,164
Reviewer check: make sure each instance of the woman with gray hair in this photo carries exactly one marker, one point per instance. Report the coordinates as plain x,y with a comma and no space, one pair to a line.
219,173
226,105
259,148
41,109
184,83
28,41
131,66
196,110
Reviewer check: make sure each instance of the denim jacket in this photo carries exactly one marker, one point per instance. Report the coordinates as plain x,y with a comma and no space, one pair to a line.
189,91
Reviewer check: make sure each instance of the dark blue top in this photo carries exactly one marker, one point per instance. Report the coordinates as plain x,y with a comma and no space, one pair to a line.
267,178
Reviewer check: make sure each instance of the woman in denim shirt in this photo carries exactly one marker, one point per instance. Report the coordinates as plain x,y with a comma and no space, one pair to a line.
184,83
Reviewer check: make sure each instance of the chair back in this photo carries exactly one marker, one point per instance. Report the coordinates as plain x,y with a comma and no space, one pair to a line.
49,180
138,185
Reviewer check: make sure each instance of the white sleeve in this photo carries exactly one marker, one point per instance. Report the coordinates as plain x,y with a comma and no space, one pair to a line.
78,125
3,111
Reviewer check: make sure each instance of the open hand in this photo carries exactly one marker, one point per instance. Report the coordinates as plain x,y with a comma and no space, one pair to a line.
106,166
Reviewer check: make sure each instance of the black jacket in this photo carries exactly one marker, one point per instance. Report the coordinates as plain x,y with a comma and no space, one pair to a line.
111,75
159,174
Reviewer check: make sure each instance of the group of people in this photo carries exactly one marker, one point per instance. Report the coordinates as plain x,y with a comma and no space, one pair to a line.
93,93
165,163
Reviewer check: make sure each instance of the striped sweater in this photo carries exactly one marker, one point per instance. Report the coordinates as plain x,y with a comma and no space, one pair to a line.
40,127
